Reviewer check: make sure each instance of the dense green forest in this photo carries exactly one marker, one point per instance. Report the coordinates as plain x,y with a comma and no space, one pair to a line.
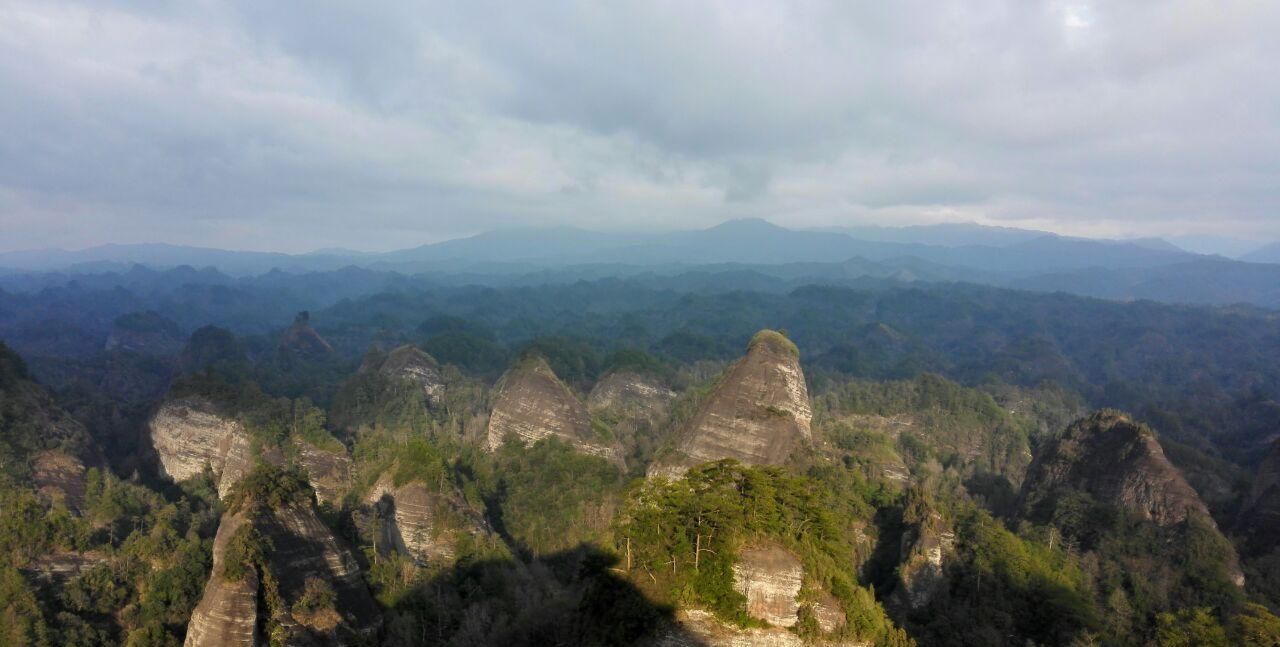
928,408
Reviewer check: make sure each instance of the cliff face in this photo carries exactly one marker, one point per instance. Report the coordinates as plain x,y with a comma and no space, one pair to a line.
758,413
926,546
770,578
328,471
227,613
322,599
189,433
533,404
421,524
1117,461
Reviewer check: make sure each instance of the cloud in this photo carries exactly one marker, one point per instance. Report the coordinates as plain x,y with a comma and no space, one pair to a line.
268,125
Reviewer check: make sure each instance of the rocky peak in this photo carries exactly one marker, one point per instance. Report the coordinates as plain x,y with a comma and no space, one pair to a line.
1117,461
758,413
272,555
301,338
629,391
409,364
532,404
189,433
416,521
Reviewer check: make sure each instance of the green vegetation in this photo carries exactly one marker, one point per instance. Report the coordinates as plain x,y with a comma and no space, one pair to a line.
681,539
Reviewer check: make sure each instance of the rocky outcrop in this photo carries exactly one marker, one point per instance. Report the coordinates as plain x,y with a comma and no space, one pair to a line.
1118,462
59,477
758,413
328,470
927,544
61,567
227,613
424,525
190,433
628,391
319,596
533,404
700,628
770,577
409,364
303,340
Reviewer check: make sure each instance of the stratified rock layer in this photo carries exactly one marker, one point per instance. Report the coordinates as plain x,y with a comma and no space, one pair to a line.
410,521
227,613
770,578
533,404
629,391
189,433
328,471
758,413
301,548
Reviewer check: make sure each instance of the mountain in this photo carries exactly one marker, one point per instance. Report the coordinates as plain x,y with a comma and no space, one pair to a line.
1119,462
532,404
959,234
1215,281
278,567
758,413
1266,254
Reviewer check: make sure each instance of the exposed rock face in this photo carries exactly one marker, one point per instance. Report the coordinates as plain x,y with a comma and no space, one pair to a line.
410,521
228,611
699,628
1117,461
629,391
329,472
189,433
302,549
925,549
758,413
59,477
302,339
63,566
409,364
533,404
770,577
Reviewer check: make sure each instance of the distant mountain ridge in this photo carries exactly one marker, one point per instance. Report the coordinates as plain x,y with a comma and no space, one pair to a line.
737,254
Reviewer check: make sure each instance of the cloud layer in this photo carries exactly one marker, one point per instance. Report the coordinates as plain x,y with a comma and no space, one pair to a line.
293,126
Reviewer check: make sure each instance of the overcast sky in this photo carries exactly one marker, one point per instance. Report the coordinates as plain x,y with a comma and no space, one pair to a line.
299,125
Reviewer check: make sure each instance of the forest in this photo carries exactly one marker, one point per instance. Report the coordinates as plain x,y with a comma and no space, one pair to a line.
905,508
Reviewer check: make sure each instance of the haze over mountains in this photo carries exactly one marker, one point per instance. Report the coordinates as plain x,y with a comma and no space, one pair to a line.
755,252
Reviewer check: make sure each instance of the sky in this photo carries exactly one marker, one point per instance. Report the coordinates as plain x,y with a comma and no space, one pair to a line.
382,125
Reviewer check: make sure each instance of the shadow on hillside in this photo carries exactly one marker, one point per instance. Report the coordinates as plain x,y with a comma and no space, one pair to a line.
575,597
